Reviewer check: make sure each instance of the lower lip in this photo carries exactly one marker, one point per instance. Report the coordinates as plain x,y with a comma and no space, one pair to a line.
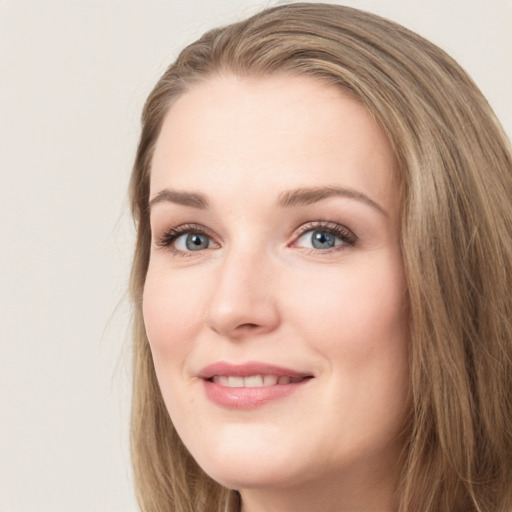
249,398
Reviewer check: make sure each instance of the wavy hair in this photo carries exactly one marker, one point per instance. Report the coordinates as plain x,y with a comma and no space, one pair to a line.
456,235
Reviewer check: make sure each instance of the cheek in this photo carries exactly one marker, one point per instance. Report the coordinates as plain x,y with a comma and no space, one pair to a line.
355,319
171,312
170,315
355,310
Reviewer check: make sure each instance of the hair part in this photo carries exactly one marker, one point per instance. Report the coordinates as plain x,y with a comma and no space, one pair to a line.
456,231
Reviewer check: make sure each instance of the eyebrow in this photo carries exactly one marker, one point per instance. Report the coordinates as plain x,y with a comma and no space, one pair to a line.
290,198
305,196
192,199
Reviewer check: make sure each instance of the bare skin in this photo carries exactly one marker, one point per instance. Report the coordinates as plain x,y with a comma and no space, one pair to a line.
275,240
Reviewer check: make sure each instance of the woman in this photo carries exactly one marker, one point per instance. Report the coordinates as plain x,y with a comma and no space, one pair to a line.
322,275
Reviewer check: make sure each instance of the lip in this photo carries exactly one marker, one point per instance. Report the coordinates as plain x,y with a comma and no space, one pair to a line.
248,369
249,397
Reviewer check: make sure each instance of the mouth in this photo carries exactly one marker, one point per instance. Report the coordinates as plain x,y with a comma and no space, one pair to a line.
255,381
250,385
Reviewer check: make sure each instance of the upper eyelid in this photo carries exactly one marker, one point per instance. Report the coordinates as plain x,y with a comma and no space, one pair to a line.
325,225
189,228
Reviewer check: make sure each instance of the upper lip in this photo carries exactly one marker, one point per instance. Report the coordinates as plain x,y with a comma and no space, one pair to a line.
248,369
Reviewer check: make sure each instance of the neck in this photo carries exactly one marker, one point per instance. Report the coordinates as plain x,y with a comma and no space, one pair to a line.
347,493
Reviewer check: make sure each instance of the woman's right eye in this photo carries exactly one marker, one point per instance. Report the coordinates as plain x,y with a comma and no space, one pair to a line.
191,242
186,239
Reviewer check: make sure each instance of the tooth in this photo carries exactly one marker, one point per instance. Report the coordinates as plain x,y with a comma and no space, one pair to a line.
235,382
270,380
254,381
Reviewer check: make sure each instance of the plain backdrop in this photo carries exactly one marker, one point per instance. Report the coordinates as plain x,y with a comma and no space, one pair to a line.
73,78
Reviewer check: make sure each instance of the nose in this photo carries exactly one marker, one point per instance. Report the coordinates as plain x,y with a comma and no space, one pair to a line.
243,302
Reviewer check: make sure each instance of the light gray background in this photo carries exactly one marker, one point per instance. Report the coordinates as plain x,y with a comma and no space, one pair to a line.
73,78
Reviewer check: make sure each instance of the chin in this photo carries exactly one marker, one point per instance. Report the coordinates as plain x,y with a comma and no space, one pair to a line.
248,475
248,461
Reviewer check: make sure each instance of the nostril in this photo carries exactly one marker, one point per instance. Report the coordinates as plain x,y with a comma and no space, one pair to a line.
236,316
247,328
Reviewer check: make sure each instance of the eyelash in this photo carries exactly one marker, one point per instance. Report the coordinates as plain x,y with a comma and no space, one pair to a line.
348,238
167,239
343,233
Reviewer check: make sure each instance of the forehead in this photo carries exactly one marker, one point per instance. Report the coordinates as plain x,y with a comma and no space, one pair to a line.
281,131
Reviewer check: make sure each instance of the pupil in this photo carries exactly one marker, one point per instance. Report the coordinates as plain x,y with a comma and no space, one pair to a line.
196,242
323,240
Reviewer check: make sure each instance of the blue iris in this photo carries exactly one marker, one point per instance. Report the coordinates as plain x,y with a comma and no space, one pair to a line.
196,242
322,240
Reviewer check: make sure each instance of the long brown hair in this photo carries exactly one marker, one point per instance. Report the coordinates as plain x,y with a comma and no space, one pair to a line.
456,232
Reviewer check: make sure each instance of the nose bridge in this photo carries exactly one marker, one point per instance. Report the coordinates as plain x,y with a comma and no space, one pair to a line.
243,300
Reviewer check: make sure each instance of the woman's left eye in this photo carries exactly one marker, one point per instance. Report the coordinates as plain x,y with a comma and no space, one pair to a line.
325,238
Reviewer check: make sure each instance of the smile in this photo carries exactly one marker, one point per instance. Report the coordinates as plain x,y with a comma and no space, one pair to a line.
254,381
250,385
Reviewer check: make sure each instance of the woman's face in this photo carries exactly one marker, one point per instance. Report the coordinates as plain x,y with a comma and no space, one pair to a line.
275,298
